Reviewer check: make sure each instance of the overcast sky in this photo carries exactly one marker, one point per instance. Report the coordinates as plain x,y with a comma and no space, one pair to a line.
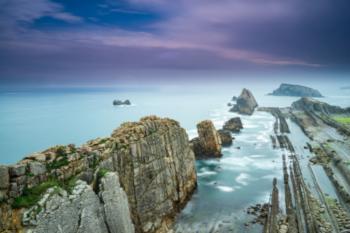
80,41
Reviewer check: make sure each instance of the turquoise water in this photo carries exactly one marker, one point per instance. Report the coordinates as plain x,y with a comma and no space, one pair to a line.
34,120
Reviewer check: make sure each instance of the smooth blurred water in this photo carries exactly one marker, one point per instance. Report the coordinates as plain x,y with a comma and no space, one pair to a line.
33,120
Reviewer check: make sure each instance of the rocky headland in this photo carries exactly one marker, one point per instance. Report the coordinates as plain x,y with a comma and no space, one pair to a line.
295,90
245,103
134,181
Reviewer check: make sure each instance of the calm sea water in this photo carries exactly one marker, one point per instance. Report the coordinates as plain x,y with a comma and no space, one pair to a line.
33,120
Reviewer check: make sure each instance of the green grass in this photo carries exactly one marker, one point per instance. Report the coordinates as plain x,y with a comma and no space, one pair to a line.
101,173
342,120
32,195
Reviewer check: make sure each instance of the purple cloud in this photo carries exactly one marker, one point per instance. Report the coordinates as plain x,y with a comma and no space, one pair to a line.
193,34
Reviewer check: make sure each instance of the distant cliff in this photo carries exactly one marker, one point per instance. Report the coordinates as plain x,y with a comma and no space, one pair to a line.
296,90
313,105
134,181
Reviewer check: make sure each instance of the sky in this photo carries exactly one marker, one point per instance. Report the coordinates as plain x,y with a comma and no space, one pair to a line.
60,41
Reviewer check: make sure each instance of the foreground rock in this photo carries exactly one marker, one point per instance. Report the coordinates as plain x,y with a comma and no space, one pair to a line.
208,142
135,180
120,102
296,90
246,103
309,104
234,125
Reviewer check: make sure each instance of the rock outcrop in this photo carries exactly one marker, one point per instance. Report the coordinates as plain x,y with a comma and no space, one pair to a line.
226,138
208,142
234,125
296,90
313,105
120,102
245,104
135,180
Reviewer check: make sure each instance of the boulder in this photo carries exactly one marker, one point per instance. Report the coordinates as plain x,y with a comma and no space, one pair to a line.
225,136
246,103
234,125
296,90
234,98
208,143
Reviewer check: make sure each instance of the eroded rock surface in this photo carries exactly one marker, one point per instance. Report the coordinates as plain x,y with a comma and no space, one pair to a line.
309,104
150,159
246,103
234,125
208,142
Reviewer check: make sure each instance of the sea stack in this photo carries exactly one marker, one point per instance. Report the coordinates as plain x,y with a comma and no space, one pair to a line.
234,125
208,142
246,103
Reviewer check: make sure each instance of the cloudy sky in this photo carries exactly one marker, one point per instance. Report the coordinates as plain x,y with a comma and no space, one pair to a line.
78,40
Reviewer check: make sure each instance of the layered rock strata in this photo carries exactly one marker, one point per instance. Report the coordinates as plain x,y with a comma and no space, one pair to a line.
69,189
245,104
208,143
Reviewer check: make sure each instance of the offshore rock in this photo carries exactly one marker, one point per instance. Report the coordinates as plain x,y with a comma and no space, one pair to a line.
313,105
234,125
225,136
208,143
246,103
120,102
143,174
296,90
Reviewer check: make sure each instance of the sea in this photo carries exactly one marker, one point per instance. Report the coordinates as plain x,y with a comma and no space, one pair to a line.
33,119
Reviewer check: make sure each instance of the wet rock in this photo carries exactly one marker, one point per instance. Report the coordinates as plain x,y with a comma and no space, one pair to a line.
234,98
225,136
233,125
246,103
208,143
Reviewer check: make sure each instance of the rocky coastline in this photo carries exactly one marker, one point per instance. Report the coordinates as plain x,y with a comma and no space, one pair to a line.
134,181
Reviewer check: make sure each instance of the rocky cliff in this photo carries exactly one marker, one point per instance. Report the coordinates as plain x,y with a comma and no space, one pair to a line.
134,181
245,104
296,90
313,105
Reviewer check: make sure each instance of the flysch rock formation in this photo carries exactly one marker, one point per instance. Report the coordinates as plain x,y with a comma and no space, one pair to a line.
134,181
208,143
309,104
296,90
245,103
